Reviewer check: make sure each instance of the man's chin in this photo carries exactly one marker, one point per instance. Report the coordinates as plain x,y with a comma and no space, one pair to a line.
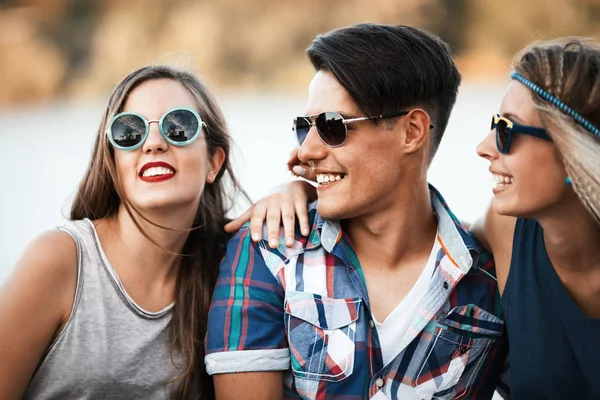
330,212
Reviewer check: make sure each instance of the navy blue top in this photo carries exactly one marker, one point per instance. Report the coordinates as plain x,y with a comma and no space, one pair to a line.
554,347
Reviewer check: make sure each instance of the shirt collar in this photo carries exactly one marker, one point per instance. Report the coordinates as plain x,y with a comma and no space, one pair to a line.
459,243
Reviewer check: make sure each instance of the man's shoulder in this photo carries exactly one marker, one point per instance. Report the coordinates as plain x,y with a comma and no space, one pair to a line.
483,259
242,244
480,281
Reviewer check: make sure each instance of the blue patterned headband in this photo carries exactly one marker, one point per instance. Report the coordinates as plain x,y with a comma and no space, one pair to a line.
559,104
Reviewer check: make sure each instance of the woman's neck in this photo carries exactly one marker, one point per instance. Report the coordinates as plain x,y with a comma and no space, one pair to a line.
572,238
150,262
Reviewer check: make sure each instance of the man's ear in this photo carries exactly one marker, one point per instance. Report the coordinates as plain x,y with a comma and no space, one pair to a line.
417,130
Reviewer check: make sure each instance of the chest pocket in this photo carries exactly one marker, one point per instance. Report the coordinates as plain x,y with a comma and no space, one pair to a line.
321,333
460,346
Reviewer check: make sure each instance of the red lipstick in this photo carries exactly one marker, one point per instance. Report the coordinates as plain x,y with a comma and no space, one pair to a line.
157,178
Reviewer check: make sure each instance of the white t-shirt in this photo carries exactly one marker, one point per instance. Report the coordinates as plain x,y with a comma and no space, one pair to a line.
392,330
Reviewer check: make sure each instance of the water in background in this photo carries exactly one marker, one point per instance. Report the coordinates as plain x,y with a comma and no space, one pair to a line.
45,149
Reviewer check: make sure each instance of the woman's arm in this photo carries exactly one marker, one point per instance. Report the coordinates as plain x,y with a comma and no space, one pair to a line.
495,232
35,303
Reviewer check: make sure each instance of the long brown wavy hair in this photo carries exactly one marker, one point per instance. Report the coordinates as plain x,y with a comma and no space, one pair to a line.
100,194
569,69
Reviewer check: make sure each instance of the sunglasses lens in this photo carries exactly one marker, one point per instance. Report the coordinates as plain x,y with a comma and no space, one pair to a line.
331,128
180,125
301,127
501,135
128,130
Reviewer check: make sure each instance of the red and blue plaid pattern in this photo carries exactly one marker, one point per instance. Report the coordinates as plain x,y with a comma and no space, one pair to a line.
305,310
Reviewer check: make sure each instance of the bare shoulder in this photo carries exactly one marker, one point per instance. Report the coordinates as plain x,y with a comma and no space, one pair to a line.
52,255
496,232
36,299
47,267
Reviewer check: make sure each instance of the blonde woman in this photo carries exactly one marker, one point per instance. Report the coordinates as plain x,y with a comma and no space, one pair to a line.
543,224
114,304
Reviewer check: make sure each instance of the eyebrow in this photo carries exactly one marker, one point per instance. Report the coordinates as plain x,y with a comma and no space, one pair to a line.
513,118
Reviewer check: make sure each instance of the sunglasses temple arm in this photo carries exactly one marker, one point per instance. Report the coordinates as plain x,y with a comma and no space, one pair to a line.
533,131
351,120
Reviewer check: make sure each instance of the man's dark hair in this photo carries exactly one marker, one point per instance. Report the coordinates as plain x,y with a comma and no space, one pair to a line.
387,69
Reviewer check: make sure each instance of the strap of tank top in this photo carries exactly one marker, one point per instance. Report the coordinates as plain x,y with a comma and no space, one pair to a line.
71,229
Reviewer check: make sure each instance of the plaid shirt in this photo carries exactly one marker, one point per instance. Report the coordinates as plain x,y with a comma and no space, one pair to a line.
305,310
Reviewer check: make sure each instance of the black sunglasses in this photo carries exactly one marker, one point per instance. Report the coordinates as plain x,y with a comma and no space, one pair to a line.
505,129
331,126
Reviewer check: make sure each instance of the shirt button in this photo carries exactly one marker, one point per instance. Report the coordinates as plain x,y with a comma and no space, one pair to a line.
472,312
446,285
379,382
372,324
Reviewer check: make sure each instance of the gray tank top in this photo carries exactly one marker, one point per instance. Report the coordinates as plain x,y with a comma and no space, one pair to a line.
110,348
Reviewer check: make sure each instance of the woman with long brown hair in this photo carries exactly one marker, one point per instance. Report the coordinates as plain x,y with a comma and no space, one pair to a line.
114,304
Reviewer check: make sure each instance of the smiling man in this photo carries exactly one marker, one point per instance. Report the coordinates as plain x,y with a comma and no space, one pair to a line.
388,296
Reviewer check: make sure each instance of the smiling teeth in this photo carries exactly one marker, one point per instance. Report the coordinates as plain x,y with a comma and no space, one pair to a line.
328,178
502,180
155,171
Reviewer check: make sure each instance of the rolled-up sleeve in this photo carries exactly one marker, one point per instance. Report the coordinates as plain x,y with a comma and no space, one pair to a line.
246,331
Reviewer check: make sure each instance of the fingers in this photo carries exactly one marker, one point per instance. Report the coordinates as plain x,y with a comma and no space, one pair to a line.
237,223
305,172
302,215
293,160
276,210
257,217
273,220
288,218
299,168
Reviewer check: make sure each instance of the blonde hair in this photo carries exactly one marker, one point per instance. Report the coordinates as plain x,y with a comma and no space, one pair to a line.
569,69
